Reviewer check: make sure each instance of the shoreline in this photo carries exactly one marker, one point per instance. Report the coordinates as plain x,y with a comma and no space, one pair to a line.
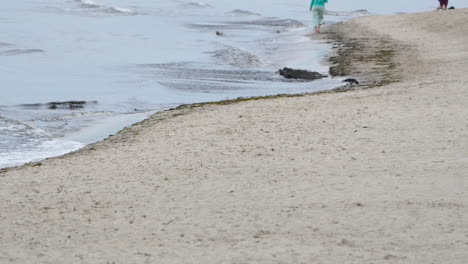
176,111
370,175
338,61
176,108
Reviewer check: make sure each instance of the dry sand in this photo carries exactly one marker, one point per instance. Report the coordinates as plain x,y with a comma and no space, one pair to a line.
367,176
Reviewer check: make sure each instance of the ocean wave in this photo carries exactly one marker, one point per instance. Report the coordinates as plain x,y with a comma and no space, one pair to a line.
60,105
360,12
214,26
89,4
273,22
5,44
200,72
14,52
197,4
238,57
17,129
71,116
240,12
195,77
202,87
118,10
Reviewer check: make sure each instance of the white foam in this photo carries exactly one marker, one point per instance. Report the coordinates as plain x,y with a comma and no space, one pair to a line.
104,8
198,4
46,149
89,3
120,10
19,128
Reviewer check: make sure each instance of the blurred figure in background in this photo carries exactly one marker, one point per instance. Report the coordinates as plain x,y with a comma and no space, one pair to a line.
443,4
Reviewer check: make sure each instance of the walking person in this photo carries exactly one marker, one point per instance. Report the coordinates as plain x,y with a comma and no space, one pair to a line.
443,4
318,8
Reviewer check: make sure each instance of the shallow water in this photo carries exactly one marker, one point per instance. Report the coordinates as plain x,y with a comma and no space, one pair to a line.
128,59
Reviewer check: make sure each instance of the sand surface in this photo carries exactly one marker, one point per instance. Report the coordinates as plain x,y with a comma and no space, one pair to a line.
367,176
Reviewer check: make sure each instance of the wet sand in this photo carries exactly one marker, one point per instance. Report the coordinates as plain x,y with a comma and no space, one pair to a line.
373,175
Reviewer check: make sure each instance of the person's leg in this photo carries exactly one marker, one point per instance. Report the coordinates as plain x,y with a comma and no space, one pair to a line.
321,11
316,21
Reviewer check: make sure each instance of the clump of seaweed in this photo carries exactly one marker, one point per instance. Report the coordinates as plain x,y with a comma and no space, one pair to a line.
370,58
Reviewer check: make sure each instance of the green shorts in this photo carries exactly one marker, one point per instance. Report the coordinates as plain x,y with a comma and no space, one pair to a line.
317,15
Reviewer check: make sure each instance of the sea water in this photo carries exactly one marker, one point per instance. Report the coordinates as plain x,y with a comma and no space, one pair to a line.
122,60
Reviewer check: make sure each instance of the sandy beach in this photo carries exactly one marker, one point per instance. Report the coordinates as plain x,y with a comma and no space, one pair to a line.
377,174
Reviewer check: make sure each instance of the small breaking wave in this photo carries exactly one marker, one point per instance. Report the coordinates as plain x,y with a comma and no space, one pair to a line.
206,78
273,22
89,4
5,44
119,10
214,26
72,116
360,12
15,128
197,4
203,78
14,52
240,12
238,57
60,105
197,72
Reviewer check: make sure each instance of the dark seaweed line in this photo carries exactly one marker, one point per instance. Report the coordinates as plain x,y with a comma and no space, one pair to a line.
377,53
